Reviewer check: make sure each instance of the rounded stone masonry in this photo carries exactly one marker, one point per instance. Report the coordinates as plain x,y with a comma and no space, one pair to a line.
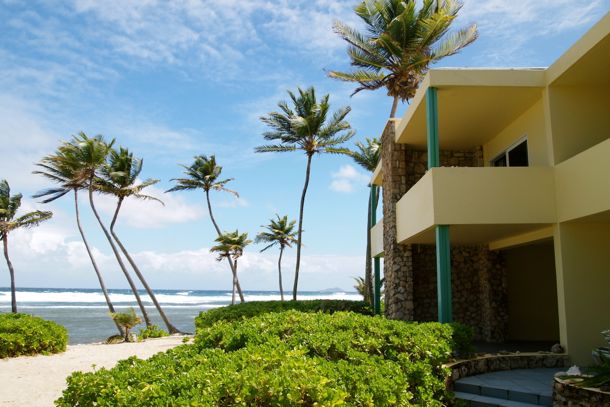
567,394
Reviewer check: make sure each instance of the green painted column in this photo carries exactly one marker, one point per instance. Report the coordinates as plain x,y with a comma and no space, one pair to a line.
377,261
443,243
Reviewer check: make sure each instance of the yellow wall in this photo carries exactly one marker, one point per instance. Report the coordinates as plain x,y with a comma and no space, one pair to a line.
377,239
582,258
530,124
532,293
580,118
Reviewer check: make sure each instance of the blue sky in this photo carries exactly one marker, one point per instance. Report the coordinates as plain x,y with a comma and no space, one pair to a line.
171,80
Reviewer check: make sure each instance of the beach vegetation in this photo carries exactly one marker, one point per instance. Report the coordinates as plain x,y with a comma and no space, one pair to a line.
285,359
24,334
231,245
204,173
278,232
119,177
127,320
401,40
308,127
9,221
152,331
368,155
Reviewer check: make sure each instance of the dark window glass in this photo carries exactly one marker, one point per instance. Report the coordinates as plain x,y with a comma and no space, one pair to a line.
500,161
517,157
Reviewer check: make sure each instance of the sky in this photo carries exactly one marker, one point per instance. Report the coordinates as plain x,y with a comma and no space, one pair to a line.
175,79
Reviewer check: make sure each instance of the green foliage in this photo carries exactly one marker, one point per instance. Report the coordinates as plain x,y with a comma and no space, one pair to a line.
255,308
23,334
152,331
601,371
127,320
284,359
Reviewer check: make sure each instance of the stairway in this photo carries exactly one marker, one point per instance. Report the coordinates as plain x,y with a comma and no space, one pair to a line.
509,388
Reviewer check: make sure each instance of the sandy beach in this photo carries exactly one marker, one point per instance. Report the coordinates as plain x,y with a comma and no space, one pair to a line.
36,381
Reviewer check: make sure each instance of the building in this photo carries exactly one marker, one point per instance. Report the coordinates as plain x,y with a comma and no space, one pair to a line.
496,200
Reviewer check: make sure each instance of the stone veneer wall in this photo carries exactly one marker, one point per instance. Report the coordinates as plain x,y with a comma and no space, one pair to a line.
478,275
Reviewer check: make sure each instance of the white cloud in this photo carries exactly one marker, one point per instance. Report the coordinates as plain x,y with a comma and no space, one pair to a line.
347,178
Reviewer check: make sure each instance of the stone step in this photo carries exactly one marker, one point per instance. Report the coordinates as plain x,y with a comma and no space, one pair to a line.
476,400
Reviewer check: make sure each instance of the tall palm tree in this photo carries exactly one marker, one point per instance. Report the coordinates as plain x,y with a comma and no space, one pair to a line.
367,155
279,232
63,169
306,127
90,154
400,43
119,178
231,246
204,174
9,205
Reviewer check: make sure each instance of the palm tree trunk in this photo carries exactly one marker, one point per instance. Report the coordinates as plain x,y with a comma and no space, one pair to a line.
170,328
236,284
279,270
368,268
394,107
234,272
97,270
11,272
118,258
299,240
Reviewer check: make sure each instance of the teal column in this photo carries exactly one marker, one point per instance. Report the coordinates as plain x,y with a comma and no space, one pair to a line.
376,260
443,243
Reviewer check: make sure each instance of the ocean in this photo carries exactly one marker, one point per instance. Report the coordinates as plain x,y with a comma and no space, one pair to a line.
85,314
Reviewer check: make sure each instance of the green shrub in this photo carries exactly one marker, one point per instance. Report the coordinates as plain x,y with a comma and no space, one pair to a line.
252,309
152,331
23,334
284,359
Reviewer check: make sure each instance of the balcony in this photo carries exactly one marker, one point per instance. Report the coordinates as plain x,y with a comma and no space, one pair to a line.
377,239
482,204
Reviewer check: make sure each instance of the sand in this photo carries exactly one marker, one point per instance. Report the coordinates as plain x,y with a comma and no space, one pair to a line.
36,381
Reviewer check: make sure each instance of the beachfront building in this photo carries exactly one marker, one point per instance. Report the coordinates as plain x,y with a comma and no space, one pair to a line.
496,200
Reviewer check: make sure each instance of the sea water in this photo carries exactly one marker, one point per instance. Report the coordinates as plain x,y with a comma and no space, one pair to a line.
85,314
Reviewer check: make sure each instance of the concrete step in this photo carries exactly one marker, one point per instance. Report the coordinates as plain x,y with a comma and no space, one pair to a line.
505,394
476,400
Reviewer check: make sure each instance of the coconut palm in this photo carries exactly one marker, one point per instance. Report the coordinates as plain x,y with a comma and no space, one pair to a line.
127,320
90,154
231,246
204,174
307,127
120,178
279,232
63,169
9,205
400,43
367,155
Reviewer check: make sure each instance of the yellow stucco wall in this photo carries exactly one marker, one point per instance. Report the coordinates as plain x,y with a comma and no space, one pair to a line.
377,239
582,258
532,293
530,124
580,118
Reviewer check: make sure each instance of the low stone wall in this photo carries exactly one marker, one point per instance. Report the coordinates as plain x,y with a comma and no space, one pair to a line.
494,363
569,395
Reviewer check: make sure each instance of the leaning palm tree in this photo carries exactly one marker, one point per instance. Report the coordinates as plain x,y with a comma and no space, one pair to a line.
279,232
63,168
367,155
119,177
9,205
231,246
90,154
400,44
308,128
204,174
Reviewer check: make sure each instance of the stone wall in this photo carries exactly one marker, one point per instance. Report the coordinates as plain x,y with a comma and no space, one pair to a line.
566,394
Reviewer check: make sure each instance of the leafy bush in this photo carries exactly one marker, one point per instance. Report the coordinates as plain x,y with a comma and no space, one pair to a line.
284,359
23,334
152,331
600,372
252,309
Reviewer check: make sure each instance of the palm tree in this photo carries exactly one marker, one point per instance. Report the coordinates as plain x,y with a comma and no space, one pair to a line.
63,168
127,320
119,178
90,154
231,246
204,174
308,128
9,205
400,43
367,156
279,232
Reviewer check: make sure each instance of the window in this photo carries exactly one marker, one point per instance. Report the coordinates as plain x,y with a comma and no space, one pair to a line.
515,156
